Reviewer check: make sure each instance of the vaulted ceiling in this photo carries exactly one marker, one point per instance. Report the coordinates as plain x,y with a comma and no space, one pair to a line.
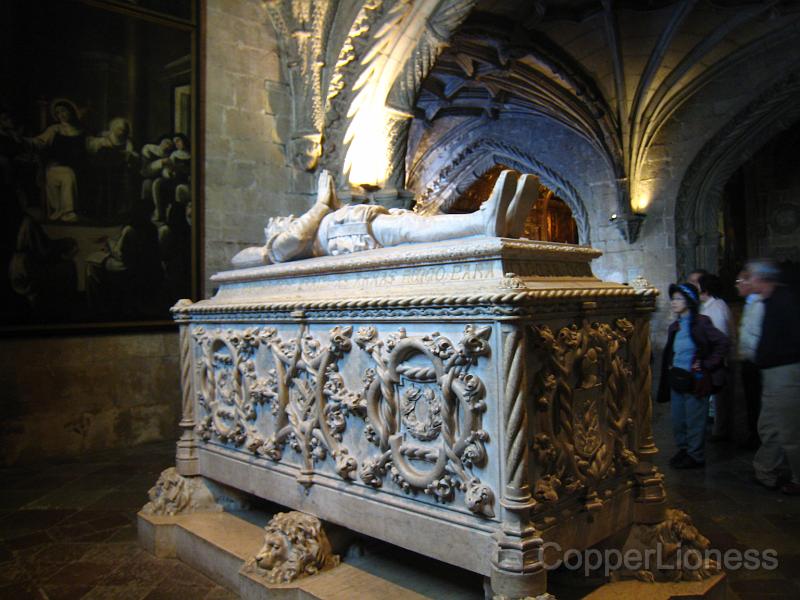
612,72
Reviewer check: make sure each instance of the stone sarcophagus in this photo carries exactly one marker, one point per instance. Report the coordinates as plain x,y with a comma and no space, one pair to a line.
470,400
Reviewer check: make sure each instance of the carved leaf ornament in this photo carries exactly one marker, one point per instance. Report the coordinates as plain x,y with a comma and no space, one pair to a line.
422,405
585,409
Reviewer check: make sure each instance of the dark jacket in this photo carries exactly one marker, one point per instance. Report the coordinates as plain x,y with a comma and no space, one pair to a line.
712,348
780,330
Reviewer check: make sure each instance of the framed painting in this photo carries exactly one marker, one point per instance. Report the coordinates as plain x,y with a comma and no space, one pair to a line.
98,157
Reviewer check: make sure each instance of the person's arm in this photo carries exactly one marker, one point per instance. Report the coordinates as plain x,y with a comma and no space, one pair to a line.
719,317
719,344
95,144
44,139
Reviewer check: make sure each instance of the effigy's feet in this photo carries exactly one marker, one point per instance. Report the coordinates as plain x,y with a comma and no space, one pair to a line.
521,204
496,206
326,191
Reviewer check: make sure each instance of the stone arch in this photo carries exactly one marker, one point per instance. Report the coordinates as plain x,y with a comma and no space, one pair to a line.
700,194
481,155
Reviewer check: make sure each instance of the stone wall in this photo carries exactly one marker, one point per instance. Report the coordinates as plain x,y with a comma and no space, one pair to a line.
247,120
65,396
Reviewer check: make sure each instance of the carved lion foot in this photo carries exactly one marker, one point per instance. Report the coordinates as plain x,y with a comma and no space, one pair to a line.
295,546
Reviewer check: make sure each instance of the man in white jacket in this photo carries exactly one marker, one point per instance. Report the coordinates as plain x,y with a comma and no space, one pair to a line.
716,309
749,336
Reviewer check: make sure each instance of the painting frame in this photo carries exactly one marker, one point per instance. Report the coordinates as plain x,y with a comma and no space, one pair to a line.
126,300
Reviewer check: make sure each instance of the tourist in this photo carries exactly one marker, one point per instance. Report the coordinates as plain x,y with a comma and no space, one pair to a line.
694,277
716,309
692,369
749,335
778,357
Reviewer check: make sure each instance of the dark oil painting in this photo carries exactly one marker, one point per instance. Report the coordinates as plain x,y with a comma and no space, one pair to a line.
96,163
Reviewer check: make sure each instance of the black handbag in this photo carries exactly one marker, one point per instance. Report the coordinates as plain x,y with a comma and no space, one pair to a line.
681,380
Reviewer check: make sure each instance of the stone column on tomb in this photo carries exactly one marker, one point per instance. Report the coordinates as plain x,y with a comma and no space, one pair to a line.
517,563
186,459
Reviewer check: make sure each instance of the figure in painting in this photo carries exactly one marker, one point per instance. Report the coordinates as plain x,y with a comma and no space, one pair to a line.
42,270
174,241
113,166
124,280
331,229
173,184
64,147
155,158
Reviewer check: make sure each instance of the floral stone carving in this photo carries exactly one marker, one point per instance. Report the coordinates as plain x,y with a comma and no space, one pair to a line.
307,398
420,402
295,546
440,380
586,410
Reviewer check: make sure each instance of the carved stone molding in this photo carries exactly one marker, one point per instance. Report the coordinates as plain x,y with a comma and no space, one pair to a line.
295,546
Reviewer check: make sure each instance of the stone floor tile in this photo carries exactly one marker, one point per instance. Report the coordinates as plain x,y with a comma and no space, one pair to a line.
13,572
124,534
28,540
23,522
109,520
98,536
112,553
60,591
220,593
73,531
134,591
143,569
14,499
767,588
185,574
6,554
60,552
119,500
22,591
170,589
71,497
80,573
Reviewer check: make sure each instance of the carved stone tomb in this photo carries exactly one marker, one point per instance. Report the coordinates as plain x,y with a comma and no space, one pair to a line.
468,400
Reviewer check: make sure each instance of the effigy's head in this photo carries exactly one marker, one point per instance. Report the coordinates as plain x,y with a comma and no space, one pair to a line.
277,225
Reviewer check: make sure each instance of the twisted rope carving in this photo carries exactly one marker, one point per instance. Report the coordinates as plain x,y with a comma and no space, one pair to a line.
517,416
641,347
482,299
417,373
186,377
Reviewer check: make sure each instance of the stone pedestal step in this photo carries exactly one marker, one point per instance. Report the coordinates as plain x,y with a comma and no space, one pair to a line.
218,544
